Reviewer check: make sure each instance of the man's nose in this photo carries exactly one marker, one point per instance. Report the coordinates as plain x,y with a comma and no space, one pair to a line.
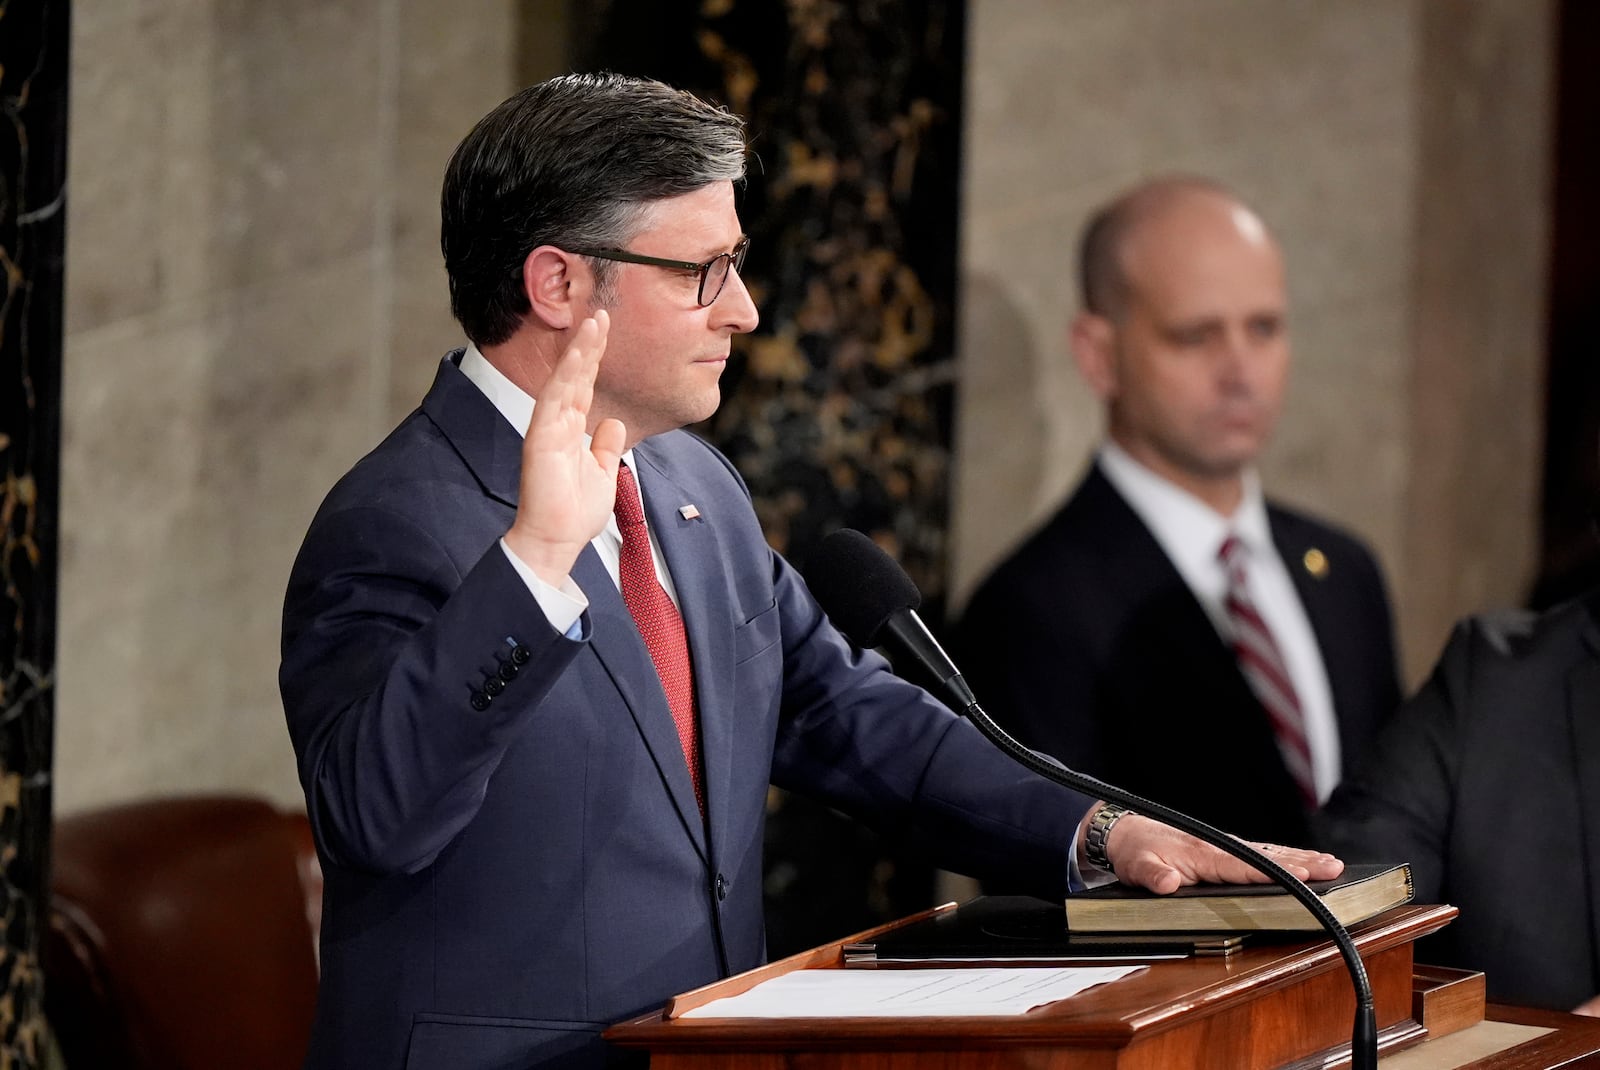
1235,356
734,308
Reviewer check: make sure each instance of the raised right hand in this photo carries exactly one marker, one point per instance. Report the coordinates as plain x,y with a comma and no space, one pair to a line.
568,487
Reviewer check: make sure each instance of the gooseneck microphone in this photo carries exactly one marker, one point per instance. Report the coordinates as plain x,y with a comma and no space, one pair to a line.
869,598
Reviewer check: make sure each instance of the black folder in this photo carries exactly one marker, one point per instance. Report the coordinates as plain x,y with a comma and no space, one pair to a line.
1006,930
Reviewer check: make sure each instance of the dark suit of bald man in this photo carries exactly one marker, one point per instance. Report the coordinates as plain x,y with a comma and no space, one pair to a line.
1087,644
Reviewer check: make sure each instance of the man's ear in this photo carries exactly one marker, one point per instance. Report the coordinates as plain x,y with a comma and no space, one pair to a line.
1094,346
558,285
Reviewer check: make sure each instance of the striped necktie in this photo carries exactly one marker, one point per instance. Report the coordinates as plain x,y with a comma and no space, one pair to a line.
1263,667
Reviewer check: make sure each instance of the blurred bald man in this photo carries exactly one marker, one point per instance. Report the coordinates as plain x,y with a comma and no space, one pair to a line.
1171,630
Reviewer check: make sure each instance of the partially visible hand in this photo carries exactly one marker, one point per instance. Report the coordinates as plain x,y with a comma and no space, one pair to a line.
567,488
1590,1006
1162,859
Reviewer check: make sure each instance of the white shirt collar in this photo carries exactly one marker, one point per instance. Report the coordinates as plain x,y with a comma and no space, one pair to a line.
1188,529
517,408
515,404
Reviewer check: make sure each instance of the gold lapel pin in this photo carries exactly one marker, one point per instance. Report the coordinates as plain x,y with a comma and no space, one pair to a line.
1316,563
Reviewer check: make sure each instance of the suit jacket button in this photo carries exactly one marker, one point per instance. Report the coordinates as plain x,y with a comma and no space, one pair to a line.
520,655
493,685
722,887
508,671
480,701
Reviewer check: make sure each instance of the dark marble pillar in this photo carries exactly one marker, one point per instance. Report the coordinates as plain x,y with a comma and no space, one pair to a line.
838,409
1570,518
33,139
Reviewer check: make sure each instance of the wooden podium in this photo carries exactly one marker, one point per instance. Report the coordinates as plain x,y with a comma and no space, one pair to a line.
1265,1007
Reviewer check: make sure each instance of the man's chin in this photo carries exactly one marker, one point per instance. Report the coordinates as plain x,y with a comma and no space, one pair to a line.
704,408
1221,465
1232,467
1230,455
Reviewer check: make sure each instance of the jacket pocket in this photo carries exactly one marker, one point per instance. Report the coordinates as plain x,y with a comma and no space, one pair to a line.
757,635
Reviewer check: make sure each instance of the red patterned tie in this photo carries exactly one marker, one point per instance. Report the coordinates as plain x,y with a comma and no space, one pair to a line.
1263,667
659,622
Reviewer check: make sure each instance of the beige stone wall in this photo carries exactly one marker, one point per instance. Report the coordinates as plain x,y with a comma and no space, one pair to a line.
1480,266
254,295
1399,151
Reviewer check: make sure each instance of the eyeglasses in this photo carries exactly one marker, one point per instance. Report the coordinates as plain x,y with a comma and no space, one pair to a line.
713,273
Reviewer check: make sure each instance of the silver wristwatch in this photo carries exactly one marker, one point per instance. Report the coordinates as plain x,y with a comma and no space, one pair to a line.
1100,825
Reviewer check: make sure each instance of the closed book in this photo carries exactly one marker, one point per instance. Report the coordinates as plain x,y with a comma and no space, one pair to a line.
996,930
1359,893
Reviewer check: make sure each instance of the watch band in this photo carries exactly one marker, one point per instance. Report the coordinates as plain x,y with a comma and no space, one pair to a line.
1100,826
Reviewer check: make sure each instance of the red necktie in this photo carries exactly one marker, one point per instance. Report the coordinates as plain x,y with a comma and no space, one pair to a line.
1264,669
658,621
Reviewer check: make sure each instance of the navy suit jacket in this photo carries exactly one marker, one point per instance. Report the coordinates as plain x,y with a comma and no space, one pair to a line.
1488,783
504,881
1087,644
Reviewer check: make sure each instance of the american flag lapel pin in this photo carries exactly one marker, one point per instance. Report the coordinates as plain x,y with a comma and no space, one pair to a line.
689,512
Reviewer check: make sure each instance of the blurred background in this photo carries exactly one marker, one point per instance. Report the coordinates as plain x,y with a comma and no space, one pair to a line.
253,295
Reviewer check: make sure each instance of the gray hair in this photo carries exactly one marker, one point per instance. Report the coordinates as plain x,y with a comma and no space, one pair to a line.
570,162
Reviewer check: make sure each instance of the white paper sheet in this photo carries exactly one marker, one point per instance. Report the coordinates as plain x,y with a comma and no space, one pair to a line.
909,993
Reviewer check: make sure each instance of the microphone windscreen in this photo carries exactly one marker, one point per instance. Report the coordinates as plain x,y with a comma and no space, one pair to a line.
858,585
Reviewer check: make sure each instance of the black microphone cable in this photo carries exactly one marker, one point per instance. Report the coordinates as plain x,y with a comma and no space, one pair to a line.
869,597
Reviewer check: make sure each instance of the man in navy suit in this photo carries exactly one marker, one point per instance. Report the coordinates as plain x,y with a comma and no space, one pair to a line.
1117,637
540,666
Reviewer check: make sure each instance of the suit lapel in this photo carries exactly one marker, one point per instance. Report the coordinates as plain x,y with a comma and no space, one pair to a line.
1292,548
489,445
492,449
1146,575
694,557
620,648
1583,714
1319,595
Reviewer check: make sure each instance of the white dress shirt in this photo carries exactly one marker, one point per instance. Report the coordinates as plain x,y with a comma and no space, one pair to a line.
565,604
1191,533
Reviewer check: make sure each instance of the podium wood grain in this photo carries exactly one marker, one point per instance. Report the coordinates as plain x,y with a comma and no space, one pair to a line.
1266,1007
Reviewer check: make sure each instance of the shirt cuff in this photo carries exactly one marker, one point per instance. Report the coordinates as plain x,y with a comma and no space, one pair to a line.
562,606
1083,878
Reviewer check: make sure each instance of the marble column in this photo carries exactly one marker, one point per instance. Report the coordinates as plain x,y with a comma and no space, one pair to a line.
837,410
1570,515
33,97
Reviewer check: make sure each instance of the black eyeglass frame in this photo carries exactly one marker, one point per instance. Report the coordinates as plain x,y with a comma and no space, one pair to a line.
735,261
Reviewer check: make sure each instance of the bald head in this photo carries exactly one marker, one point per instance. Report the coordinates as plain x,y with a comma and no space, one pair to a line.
1148,222
1183,332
